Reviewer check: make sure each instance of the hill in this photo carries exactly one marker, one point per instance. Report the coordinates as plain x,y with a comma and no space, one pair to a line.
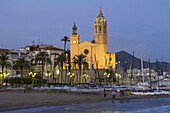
126,61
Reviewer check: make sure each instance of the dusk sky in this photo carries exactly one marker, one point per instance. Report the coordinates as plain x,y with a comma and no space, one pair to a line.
139,25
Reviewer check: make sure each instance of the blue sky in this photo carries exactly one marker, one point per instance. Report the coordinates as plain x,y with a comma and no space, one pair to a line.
139,25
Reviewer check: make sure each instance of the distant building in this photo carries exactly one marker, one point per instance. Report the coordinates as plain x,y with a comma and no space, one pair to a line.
33,50
2,51
14,56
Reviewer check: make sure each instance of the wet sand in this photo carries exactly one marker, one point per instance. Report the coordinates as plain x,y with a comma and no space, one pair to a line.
13,100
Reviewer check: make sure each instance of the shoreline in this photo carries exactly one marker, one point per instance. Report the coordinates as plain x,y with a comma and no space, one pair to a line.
56,99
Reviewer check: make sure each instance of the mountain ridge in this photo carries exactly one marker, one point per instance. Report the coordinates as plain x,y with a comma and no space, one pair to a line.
126,60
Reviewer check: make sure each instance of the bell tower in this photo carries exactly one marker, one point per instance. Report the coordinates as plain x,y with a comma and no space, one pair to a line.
100,30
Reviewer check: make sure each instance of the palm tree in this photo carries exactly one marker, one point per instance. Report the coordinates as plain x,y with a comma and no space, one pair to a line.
41,58
60,60
4,63
54,68
97,70
21,64
74,67
65,39
79,60
48,62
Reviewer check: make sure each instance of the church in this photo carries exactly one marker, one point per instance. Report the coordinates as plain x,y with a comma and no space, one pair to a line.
95,51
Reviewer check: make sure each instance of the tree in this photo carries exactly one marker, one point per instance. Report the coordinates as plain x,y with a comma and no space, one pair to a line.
21,64
41,58
74,67
54,68
4,63
65,40
60,60
79,60
97,70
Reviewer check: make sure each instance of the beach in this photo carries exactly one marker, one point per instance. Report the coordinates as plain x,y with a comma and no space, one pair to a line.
13,100
17,100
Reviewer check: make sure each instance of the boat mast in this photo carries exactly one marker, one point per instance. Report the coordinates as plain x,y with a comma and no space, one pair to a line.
157,73
142,70
131,77
149,66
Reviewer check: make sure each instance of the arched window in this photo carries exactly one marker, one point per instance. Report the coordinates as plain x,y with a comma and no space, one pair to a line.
96,29
100,29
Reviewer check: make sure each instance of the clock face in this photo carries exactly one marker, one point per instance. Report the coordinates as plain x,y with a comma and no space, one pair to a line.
74,42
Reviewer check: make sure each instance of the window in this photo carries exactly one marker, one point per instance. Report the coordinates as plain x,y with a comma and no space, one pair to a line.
86,51
96,28
100,29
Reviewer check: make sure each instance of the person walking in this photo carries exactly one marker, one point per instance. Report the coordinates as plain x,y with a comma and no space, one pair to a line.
113,94
121,94
105,95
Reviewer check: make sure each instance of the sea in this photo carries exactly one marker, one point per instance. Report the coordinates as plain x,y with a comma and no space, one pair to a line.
154,105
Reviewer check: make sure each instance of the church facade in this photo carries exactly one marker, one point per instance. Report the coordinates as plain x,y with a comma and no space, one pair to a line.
96,50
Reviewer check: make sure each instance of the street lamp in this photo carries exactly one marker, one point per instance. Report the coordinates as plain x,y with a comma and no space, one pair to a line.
70,75
6,74
33,76
107,75
85,76
66,67
48,75
1,79
57,71
118,76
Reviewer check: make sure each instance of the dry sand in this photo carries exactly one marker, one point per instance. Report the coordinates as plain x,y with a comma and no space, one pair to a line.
18,100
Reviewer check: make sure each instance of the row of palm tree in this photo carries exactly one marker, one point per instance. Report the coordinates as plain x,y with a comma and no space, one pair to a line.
42,58
5,64
21,64
78,61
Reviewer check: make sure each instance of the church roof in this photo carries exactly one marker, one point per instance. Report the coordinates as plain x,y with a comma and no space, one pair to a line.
93,41
100,13
4,50
74,29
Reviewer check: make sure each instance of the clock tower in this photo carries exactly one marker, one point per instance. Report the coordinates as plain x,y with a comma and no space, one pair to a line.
74,41
74,38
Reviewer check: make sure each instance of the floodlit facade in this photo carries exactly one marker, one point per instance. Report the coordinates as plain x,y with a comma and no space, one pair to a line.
96,50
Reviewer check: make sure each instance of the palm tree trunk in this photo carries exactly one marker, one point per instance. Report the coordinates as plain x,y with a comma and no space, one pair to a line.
53,74
76,75
80,75
61,75
42,72
2,76
64,46
21,76
65,74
